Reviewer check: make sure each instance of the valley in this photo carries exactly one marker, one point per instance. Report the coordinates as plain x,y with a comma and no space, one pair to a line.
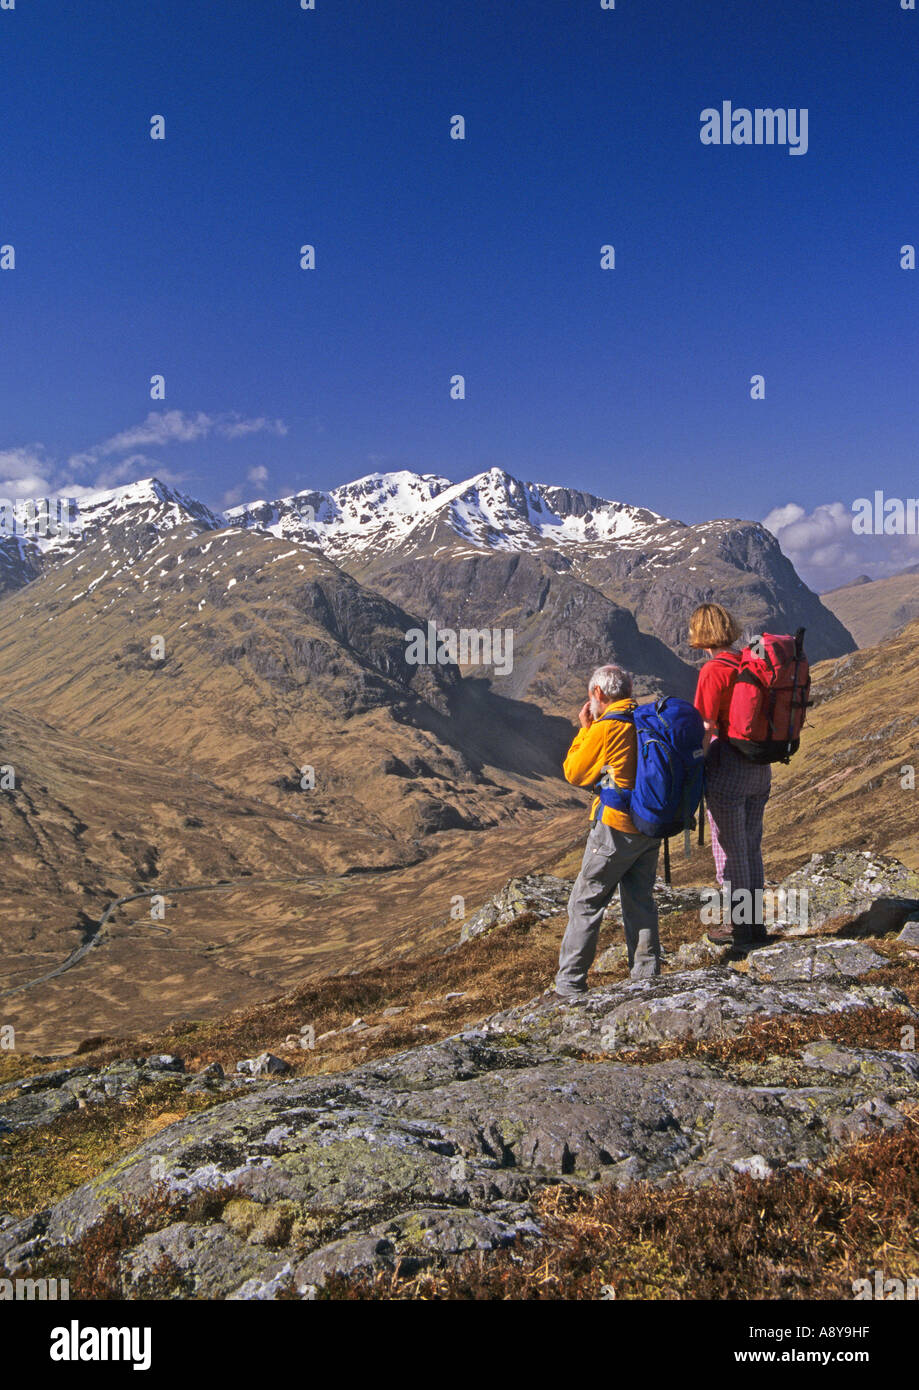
169,676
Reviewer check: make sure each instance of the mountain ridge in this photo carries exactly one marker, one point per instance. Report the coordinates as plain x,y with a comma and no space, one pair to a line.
657,567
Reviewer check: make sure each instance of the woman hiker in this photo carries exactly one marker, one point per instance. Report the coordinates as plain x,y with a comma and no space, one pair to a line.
736,790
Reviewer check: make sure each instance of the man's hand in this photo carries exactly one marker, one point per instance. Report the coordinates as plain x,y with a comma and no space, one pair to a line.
585,718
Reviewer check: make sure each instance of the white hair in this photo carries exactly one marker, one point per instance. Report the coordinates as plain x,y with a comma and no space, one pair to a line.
614,682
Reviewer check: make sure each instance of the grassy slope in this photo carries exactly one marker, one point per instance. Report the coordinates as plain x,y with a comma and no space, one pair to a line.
872,612
788,1237
783,1238
843,786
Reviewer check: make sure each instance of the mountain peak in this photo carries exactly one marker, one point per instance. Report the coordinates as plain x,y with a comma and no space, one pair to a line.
403,511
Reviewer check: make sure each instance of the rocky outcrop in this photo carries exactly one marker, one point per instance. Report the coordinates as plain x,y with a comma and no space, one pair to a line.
870,894
866,894
443,1148
41,1099
835,961
545,895
708,1003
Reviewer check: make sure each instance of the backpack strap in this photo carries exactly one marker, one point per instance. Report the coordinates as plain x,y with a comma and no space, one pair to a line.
615,797
799,653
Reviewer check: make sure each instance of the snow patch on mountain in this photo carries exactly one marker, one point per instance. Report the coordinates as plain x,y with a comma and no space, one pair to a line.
375,514
492,510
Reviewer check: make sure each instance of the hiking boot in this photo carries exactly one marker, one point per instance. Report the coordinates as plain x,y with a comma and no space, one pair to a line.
554,997
738,938
646,969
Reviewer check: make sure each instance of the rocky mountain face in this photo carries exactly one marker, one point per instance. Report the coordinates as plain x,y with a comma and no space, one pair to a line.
398,532
445,1148
562,627
735,563
20,562
658,568
267,656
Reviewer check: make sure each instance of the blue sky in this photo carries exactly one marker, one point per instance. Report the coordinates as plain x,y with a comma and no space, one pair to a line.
481,257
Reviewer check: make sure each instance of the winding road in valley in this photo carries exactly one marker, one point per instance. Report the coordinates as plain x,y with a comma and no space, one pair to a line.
99,936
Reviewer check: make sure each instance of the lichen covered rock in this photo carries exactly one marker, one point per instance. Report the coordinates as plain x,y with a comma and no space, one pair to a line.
872,893
443,1148
542,894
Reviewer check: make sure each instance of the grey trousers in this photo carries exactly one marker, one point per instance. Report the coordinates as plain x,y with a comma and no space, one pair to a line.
612,859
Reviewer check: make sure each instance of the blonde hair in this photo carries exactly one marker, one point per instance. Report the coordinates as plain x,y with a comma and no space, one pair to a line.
712,626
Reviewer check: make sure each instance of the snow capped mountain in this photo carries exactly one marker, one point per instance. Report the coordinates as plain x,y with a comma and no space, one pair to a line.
400,513
143,511
49,524
409,512
125,521
357,512
378,527
155,501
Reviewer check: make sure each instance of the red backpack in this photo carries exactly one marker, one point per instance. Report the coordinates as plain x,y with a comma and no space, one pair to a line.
770,698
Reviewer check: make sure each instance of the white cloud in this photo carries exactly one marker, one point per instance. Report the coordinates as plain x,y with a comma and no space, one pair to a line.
233,427
827,553
780,517
29,472
175,427
799,531
25,472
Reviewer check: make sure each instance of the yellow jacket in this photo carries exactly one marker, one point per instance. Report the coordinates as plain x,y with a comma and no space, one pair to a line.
608,744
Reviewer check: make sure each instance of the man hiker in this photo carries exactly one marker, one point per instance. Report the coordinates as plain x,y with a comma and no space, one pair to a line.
617,854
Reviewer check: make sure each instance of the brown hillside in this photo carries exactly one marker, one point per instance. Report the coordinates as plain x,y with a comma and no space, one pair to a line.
876,610
274,661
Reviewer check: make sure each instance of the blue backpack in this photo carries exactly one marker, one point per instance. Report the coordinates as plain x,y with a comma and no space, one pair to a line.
669,776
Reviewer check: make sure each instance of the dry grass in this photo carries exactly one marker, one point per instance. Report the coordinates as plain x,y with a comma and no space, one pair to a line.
504,968
509,966
92,1263
793,1235
765,1039
39,1166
